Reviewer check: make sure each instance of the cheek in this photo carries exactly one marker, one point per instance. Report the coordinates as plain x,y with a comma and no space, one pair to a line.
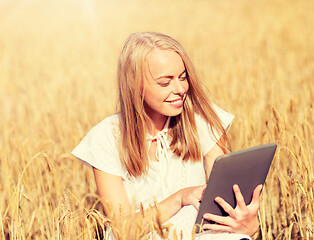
153,98
186,86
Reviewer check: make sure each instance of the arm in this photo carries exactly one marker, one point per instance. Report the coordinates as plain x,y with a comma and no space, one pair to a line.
242,218
111,189
210,157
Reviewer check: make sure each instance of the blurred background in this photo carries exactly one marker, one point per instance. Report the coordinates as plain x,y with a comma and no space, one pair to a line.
58,62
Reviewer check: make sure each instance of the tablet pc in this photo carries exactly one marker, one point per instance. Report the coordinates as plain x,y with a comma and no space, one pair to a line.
247,168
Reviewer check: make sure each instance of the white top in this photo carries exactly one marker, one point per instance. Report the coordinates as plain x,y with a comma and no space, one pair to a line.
165,177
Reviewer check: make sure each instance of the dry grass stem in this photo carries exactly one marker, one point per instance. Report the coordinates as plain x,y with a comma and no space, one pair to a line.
57,75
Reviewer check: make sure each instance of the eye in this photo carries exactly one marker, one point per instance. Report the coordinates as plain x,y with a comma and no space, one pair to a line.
183,76
164,84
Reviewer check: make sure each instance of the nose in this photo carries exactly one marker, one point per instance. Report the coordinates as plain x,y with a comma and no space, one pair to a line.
178,87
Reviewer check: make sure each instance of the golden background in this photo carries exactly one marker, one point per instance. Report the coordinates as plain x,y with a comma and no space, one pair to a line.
58,61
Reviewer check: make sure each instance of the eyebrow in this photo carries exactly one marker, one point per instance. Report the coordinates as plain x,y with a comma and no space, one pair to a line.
170,76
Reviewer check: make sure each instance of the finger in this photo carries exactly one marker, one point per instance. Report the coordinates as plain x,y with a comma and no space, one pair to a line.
256,194
239,196
217,227
203,187
226,206
199,192
227,221
196,203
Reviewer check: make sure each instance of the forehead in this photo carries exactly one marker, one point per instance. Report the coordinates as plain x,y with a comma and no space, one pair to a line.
164,62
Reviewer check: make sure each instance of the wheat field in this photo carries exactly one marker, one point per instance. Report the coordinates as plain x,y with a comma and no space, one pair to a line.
58,63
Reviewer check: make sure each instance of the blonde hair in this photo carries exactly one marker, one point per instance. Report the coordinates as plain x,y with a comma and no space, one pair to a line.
183,132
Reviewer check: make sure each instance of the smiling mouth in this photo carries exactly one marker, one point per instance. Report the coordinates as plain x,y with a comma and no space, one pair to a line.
176,103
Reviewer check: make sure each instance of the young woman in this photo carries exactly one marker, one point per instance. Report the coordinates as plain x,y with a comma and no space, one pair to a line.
162,143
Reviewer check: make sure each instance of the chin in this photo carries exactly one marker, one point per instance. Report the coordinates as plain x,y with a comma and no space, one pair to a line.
174,113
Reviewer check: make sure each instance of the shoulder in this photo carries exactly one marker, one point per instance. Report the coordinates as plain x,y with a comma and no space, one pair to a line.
208,135
99,148
104,132
225,117
108,124
107,128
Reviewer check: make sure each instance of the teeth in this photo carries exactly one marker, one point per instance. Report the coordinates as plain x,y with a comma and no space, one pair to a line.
177,101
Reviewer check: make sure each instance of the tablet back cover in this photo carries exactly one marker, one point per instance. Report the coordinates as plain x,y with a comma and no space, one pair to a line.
247,168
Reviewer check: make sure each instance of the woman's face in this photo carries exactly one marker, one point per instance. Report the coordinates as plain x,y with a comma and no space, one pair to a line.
166,84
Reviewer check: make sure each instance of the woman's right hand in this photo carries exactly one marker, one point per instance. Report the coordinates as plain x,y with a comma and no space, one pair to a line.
192,196
111,189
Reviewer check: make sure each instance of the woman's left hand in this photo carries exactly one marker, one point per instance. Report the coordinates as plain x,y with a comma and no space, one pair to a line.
242,219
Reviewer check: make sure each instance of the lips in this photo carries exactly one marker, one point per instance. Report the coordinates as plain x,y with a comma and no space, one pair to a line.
176,103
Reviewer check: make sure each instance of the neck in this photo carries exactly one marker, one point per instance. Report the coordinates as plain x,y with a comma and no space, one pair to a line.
156,125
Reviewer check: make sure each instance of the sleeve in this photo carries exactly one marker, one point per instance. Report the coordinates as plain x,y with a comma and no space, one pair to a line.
99,149
207,138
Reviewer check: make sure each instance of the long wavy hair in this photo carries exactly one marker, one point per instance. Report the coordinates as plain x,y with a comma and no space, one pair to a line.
133,125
